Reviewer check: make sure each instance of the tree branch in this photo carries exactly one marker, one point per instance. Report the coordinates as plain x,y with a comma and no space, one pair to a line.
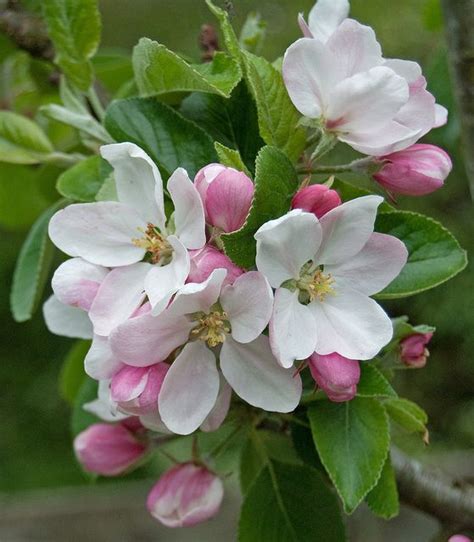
434,492
459,17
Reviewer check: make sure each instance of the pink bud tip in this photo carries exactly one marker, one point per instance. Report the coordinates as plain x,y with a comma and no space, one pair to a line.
206,260
416,171
108,449
317,199
413,351
185,495
227,196
336,375
460,538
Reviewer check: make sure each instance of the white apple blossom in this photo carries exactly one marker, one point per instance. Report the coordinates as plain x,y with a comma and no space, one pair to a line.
207,319
324,18
324,272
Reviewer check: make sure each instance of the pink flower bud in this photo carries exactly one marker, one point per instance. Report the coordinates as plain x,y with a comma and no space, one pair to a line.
317,199
227,196
459,538
136,389
108,449
336,375
185,495
413,351
205,260
416,171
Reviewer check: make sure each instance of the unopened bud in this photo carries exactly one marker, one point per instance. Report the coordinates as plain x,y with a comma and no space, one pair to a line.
317,199
336,375
413,351
206,260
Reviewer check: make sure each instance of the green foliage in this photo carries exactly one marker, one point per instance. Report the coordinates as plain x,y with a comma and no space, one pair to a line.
74,27
373,383
253,33
383,499
32,268
352,440
402,328
72,372
81,419
160,71
230,39
434,254
290,503
275,183
230,158
83,181
170,139
22,141
408,414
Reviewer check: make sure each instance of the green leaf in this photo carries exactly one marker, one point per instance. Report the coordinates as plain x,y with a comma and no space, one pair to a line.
277,116
160,71
408,414
21,140
303,443
83,181
170,139
72,372
252,35
231,158
290,503
32,268
402,328
352,440
74,28
434,254
80,418
275,183
348,191
230,39
232,122
383,499
373,383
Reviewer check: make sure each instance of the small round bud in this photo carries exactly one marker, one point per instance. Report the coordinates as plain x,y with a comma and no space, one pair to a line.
336,375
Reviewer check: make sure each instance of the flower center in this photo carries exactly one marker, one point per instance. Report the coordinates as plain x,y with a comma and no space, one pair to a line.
157,247
211,328
314,285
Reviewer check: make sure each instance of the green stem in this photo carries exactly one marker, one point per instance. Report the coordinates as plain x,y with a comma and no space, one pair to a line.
96,104
360,165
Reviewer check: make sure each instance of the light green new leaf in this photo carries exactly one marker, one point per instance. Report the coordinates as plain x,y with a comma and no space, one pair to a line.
277,116
160,71
383,499
74,28
72,372
434,254
409,415
275,183
230,39
83,181
352,440
22,141
290,503
252,35
373,383
32,267
230,158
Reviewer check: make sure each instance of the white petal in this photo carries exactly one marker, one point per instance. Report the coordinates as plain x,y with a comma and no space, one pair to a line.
441,116
351,324
100,362
326,16
121,293
101,232
366,101
293,331
103,407
280,250
65,320
374,267
409,70
162,282
154,422
418,114
188,210
76,282
347,228
256,377
216,417
248,304
189,390
138,180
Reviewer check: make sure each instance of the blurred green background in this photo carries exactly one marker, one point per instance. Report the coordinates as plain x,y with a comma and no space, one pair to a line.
35,444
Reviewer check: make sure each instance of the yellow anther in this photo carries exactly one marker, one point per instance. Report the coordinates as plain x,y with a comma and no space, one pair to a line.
156,246
211,328
316,285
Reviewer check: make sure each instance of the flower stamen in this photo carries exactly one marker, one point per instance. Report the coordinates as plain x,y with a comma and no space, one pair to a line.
157,247
211,328
315,286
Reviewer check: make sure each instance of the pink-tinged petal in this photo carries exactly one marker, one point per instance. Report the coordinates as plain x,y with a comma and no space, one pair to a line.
128,383
153,421
162,282
120,294
280,252
190,389
228,200
204,178
248,305
189,210
76,282
318,199
336,375
419,112
310,72
256,377
103,407
148,339
293,330
101,233
374,267
65,320
325,17
441,116
185,495
366,101
304,26
100,362
216,417
413,351
409,70
459,538
351,324
206,260
138,181
148,399
346,229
